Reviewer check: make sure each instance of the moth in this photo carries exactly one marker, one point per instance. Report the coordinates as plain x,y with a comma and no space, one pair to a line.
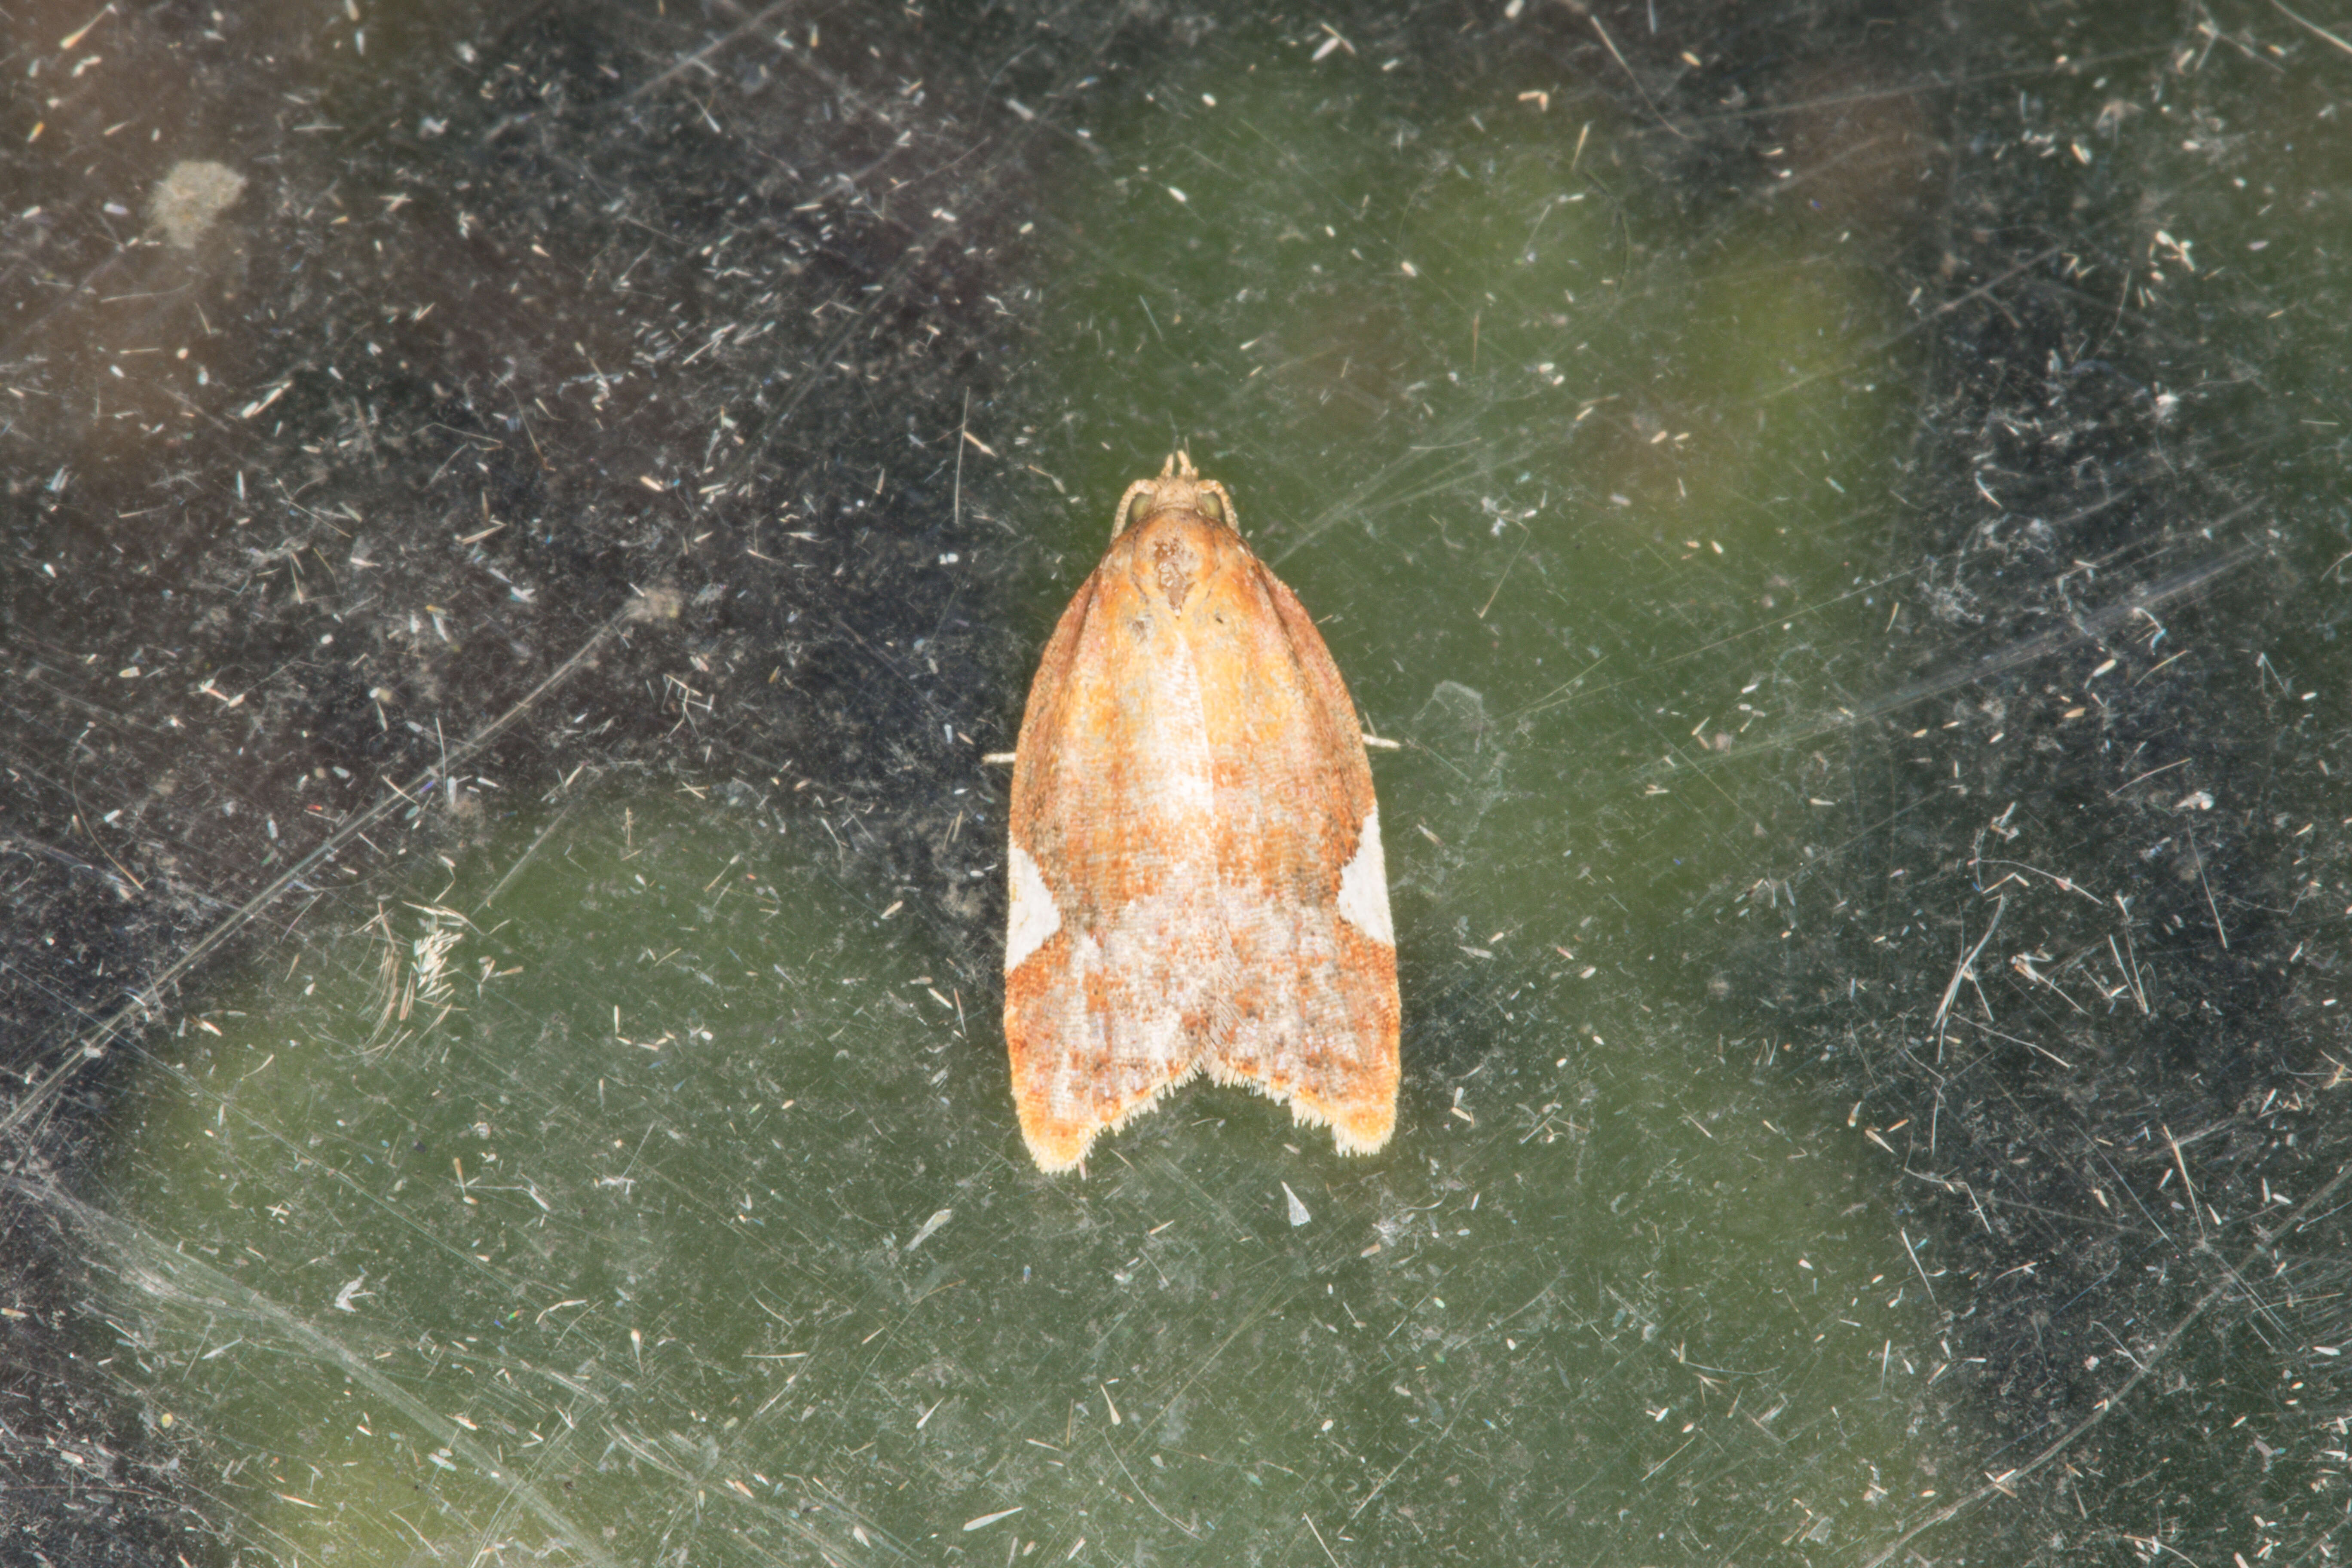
1196,872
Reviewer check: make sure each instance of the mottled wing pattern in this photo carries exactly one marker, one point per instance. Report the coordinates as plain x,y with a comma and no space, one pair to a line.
1195,871
1110,824
1308,980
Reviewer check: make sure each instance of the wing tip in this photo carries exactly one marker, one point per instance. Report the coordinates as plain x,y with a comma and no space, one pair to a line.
1358,1126
1362,1123
1364,1129
1059,1142
1361,1118
1059,1146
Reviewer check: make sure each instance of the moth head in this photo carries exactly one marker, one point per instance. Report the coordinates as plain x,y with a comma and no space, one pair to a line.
1179,488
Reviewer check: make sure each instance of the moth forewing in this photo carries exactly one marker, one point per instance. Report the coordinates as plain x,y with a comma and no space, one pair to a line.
1195,874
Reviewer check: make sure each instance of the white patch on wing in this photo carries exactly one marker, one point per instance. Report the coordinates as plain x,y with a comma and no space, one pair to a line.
1034,917
1364,885
1178,740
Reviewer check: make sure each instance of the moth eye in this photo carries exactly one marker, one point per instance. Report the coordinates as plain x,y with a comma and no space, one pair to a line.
1211,506
1140,507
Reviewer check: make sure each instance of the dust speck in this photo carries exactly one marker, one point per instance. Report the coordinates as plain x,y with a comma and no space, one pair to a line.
661,604
191,197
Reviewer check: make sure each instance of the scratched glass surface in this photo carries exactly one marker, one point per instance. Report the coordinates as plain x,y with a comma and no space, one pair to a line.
662,1203
532,526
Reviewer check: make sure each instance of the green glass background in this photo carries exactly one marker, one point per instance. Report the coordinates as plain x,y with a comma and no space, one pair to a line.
680,1281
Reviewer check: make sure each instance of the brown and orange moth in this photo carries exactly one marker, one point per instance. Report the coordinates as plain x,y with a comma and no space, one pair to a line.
1195,862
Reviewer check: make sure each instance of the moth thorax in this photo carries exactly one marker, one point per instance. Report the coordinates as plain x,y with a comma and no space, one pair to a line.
1173,568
